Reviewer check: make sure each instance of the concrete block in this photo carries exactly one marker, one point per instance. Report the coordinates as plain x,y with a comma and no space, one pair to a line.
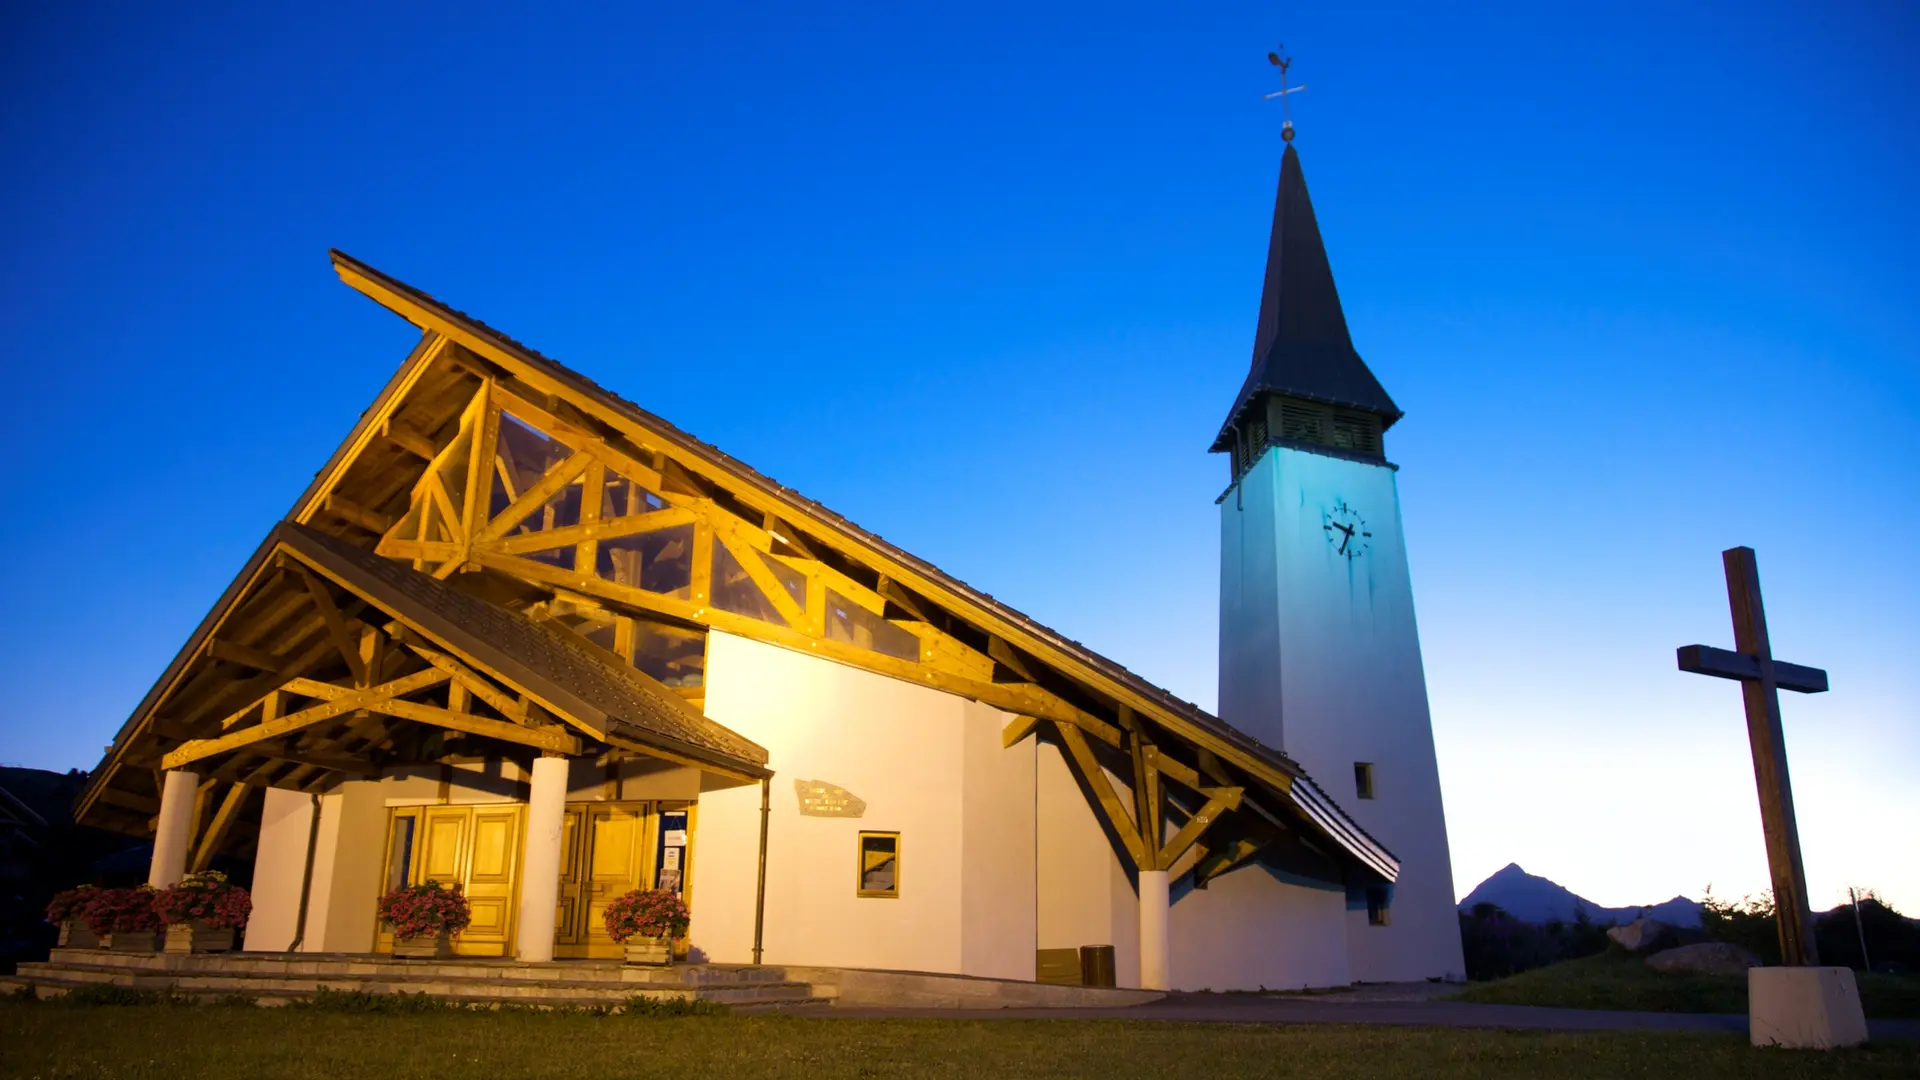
1814,1008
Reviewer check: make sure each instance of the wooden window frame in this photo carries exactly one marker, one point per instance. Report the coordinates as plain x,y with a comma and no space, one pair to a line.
860,867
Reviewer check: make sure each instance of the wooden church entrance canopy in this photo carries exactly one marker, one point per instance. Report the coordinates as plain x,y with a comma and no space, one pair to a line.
502,490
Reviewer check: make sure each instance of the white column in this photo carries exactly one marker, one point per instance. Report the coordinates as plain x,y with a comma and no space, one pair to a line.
1156,945
175,832
540,865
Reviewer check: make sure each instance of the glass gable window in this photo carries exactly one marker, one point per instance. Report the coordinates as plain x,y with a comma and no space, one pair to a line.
674,656
659,561
621,497
735,591
850,623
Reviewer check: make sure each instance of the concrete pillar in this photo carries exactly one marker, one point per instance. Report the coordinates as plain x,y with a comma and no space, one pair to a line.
540,865
175,834
1156,944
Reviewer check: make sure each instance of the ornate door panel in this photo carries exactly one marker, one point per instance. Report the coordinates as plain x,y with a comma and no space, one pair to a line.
492,881
614,856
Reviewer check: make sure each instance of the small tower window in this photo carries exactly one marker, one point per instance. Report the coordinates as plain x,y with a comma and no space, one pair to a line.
1378,912
1363,779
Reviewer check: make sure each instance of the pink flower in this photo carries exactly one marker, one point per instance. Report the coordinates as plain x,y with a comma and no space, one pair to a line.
424,910
652,913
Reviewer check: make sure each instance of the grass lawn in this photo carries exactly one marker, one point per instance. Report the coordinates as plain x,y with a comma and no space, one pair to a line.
1614,980
49,1041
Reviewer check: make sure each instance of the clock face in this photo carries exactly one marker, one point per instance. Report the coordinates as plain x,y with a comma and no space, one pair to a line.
1346,531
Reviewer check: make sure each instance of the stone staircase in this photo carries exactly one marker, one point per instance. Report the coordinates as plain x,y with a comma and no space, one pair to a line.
274,978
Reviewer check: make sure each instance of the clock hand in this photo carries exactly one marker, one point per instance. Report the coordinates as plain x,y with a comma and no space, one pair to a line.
1345,542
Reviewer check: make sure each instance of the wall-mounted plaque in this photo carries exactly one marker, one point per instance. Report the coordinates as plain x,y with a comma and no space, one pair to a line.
821,799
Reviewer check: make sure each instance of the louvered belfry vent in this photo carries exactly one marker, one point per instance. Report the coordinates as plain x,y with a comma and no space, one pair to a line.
1306,386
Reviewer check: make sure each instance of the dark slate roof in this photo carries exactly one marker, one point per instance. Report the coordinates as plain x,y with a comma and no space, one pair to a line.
546,662
1301,347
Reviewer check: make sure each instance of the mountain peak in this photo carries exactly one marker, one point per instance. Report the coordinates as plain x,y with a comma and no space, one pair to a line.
1535,899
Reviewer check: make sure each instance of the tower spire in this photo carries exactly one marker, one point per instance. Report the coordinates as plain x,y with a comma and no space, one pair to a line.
1301,347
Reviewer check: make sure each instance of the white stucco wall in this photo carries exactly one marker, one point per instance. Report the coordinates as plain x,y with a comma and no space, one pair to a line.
1320,657
998,930
904,749
1085,894
346,869
278,864
1250,930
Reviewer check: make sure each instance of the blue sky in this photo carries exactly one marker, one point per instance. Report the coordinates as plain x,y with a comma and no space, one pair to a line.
984,278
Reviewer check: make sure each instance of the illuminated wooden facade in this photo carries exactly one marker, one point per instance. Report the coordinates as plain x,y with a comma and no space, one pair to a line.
505,563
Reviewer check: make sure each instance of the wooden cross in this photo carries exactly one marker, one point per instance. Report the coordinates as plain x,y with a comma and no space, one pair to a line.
1761,677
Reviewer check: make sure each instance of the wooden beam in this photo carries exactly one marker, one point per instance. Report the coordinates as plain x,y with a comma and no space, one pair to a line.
127,800
467,681
1146,799
1018,728
1005,655
548,737
1219,801
338,631
336,701
554,481
237,653
604,529
1220,860
1080,759
408,438
347,510
318,759
217,829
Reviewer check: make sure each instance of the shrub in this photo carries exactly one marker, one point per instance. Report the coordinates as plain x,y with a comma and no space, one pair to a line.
206,897
1747,922
69,904
120,911
425,910
654,913
1496,945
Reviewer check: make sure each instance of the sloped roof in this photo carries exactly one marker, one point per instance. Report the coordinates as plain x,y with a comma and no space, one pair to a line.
1301,347
433,315
613,698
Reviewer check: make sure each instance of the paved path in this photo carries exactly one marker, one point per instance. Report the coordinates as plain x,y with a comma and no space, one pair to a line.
1253,1009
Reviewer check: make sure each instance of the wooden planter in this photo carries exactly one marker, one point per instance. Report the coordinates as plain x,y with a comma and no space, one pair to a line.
437,947
649,951
133,941
76,934
198,937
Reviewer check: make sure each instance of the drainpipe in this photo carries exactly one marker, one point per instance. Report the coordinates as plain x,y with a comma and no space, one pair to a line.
760,888
306,877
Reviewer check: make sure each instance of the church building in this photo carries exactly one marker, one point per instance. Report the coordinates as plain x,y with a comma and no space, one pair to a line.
522,635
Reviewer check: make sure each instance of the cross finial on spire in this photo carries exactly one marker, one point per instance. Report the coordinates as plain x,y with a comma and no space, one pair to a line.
1286,121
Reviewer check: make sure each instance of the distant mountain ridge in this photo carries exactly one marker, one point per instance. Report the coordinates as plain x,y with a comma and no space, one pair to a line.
1534,899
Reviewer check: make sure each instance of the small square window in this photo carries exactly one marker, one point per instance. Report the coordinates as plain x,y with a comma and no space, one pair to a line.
1363,779
879,864
1378,912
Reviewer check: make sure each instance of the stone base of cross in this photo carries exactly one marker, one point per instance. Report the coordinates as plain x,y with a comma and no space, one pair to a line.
1799,1003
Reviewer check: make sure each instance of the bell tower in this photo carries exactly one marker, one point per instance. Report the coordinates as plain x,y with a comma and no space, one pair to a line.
1319,650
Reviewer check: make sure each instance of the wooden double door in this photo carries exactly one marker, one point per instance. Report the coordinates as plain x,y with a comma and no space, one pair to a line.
606,849
476,847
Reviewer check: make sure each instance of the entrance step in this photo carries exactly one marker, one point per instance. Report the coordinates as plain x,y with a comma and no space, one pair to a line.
277,978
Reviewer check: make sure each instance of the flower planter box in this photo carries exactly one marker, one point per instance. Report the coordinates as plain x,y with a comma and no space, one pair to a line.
198,937
652,952
75,934
437,947
131,941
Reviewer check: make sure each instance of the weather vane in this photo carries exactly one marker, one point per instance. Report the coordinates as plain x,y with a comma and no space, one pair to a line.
1286,121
